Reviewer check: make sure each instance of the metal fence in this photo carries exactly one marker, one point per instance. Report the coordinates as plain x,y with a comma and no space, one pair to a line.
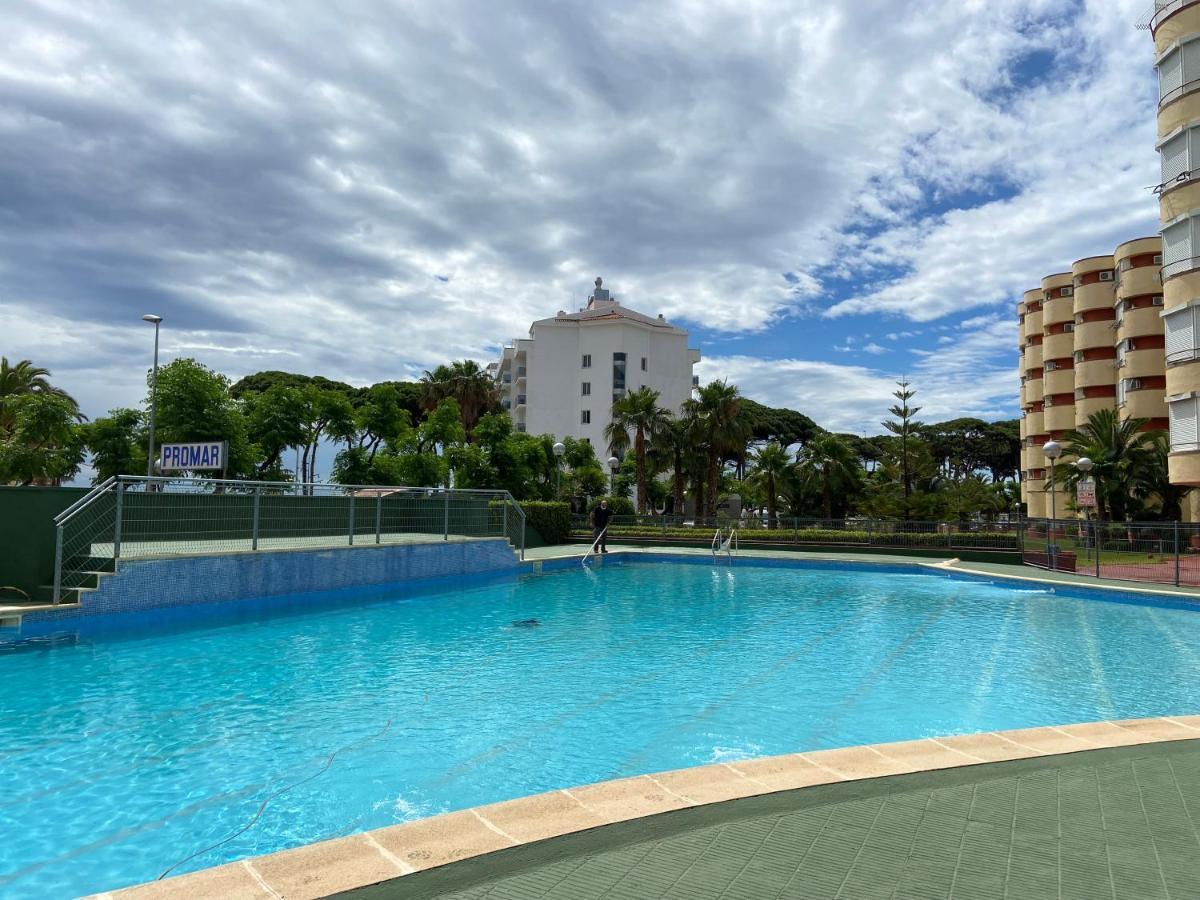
130,516
1159,552
785,531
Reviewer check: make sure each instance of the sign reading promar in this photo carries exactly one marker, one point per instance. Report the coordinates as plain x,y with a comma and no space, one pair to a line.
194,455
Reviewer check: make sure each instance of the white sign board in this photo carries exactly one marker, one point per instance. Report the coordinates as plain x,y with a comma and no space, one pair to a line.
193,455
1085,494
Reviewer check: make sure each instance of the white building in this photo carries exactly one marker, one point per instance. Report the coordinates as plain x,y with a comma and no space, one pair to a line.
564,377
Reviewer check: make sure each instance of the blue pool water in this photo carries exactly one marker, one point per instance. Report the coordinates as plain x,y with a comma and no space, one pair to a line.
132,745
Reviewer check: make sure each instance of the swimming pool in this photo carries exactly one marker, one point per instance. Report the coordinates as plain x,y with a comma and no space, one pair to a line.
134,745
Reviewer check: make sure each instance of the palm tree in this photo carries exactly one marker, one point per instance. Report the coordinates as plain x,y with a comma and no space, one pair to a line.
768,466
639,412
466,383
829,465
26,378
1122,456
669,448
717,411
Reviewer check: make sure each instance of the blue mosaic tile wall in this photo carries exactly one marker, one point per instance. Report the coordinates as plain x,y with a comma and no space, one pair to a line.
184,581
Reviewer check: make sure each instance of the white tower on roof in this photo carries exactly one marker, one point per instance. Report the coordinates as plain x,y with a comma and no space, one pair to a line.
563,379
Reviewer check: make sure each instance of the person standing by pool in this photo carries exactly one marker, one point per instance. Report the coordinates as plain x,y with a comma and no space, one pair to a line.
601,516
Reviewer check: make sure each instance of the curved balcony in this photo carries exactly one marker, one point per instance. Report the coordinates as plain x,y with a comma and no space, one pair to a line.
1184,377
1060,417
1172,20
1147,363
1059,381
1089,405
1033,358
1095,296
1144,321
1184,467
1058,310
1094,334
1148,403
1095,372
1141,280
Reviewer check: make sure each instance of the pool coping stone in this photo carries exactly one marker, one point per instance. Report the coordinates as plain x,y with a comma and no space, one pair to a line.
368,858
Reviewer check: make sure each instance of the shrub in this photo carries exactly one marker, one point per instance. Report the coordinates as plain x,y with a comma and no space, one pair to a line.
620,506
550,519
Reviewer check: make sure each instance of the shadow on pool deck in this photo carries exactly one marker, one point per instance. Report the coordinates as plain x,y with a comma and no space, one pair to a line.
1118,822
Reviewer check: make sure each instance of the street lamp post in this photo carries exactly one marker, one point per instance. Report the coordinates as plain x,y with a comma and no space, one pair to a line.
1053,451
613,464
156,321
559,450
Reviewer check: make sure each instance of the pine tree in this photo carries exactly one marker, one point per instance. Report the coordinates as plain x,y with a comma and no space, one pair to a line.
905,427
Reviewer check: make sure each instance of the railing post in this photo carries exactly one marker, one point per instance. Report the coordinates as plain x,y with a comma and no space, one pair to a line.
378,515
117,524
522,534
1096,544
58,561
1177,554
254,522
446,517
949,535
350,527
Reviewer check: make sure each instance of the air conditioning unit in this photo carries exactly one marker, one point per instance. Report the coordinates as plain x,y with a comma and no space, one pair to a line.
1157,300
1133,384
1158,259
1106,276
1066,292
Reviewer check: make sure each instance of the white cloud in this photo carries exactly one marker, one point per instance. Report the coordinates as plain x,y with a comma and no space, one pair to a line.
457,169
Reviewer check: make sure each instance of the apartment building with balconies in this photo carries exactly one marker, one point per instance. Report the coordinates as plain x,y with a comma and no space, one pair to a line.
564,377
1091,338
1175,27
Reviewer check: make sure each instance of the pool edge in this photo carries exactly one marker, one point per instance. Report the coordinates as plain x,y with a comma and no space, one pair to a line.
360,860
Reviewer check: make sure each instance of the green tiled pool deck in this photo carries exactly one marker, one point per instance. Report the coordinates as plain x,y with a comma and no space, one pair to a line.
1119,823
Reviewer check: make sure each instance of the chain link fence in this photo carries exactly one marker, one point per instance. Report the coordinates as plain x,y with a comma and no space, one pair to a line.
131,517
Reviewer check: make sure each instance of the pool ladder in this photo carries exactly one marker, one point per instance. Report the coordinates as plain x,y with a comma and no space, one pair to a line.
728,545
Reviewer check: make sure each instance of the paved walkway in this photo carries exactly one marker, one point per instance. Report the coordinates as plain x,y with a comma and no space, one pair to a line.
1118,823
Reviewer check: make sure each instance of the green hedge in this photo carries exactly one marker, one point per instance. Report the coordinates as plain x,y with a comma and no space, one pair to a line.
1000,541
620,506
551,520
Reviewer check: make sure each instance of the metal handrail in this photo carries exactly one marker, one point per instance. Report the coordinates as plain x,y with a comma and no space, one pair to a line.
109,522
85,500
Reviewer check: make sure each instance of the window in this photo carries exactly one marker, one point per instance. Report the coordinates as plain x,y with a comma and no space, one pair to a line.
1121,390
1078,356
1156,300
587,361
618,371
643,364
1049,401
585,417
1051,365
1077,281
1185,423
1126,264
1179,242
1179,327
1068,328
1079,394
521,427
1158,259
1179,69
586,389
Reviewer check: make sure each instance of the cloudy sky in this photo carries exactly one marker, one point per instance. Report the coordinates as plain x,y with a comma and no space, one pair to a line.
827,195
